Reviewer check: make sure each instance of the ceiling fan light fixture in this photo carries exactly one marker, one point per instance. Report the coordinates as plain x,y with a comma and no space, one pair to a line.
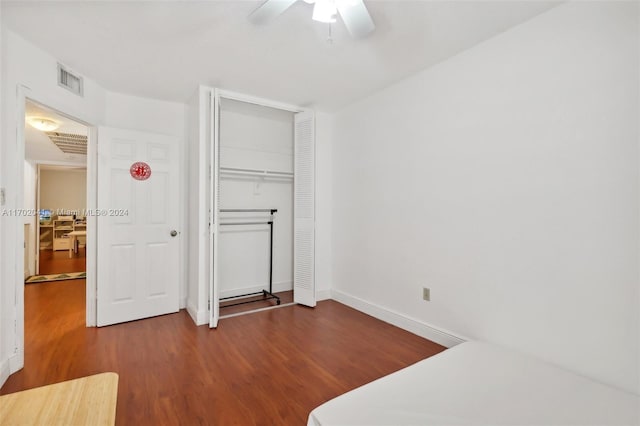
42,124
325,11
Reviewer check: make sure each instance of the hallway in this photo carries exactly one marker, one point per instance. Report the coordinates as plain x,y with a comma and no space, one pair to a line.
57,262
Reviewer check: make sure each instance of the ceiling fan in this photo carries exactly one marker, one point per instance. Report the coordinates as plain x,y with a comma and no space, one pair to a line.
354,13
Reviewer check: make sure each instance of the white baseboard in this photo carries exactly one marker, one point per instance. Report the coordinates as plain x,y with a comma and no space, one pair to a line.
323,295
4,372
277,287
183,303
16,362
412,325
199,317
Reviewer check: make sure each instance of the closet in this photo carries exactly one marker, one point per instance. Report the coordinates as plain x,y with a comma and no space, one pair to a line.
261,202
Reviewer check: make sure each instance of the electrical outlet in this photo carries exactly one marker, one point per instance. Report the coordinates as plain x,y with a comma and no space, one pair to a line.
426,293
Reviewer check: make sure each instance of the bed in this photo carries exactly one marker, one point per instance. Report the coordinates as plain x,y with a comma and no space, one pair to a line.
478,383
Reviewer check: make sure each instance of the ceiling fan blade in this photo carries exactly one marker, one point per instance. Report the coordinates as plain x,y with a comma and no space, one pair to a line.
355,17
269,10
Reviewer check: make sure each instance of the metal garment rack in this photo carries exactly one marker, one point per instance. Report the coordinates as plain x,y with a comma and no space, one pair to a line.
266,294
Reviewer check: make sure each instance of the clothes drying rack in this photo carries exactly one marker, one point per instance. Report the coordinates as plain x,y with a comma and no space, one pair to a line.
266,294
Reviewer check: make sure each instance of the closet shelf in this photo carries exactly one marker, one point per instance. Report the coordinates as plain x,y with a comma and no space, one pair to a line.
255,172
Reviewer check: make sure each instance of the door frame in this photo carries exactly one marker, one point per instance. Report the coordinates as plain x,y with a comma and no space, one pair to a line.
23,94
216,95
39,165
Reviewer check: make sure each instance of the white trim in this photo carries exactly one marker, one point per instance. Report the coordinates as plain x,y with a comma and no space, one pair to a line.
16,362
277,287
323,295
235,96
183,303
38,168
268,308
4,372
23,94
199,317
412,325
201,241
214,223
78,166
91,245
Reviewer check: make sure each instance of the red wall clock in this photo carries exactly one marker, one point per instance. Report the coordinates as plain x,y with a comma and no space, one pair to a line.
140,171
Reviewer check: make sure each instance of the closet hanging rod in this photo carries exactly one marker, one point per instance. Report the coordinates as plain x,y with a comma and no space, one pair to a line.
256,172
247,223
272,211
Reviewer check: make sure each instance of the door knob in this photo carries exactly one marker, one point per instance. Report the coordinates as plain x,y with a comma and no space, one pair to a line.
174,233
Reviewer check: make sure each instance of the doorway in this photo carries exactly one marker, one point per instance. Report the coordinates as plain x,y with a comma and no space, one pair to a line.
61,205
262,205
55,191
57,194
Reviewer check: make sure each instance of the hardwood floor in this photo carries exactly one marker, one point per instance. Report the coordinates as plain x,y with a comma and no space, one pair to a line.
266,368
57,262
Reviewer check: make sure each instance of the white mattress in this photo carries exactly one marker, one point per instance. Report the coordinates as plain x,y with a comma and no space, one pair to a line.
477,383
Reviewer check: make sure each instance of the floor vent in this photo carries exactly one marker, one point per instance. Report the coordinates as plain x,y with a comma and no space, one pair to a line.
70,81
69,143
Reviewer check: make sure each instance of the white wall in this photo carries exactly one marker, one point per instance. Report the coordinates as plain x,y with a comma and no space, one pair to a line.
255,137
63,190
506,180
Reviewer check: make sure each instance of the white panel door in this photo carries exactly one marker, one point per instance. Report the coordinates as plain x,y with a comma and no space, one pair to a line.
137,252
214,205
304,210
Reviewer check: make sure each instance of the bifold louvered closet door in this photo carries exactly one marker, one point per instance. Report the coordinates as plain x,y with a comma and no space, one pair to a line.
304,210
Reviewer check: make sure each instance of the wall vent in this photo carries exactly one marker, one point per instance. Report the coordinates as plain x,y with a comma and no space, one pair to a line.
70,81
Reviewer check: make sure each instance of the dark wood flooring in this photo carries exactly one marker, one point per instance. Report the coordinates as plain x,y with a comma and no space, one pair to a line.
57,262
267,368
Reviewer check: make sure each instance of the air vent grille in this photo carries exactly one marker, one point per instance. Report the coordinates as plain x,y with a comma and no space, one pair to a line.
70,81
69,143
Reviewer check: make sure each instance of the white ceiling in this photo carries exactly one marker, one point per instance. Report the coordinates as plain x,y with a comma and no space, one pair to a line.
38,146
164,50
